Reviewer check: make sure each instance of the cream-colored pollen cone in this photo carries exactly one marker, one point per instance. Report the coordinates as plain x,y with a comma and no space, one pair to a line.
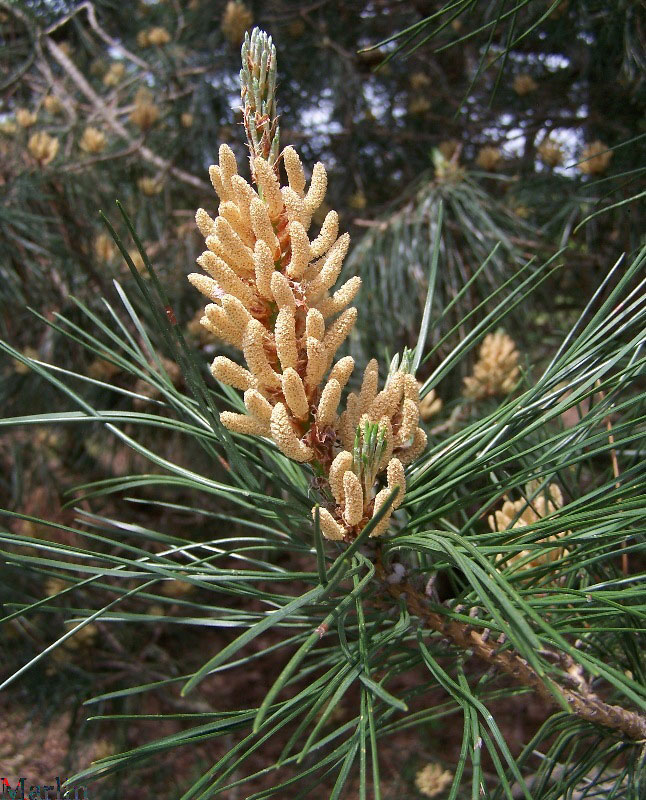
270,283
93,141
237,18
496,371
43,147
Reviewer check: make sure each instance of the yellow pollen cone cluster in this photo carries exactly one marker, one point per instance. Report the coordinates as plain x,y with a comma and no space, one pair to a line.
93,140
104,248
150,186
53,104
235,21
489,158
430,406
378,431
595,158
433,780
419,105
419,81
26,118
550,153
115,74
448,148
496,370
270,286
524,84
43,147
520,513
155,37
145,112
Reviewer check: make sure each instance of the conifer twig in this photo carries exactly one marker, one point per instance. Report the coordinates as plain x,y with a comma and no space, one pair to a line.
584,703
106,113
113,43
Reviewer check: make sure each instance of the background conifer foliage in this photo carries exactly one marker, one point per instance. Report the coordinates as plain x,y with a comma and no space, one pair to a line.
391,544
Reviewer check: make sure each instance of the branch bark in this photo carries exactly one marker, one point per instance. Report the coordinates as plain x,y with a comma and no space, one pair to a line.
583,702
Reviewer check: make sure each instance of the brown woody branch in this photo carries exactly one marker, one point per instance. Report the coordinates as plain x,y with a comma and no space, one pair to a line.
582,701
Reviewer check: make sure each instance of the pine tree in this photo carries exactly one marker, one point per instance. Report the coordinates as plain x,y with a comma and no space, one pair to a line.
326,554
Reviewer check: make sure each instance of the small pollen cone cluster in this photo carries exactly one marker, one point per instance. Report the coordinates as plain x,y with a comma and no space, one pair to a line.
93,141
447,170
550,153
115,74
104,248
524,84
43,147
53,104
430,405
378,432
520,513
235,21
433,780
270,287
26,118
489,158
597,158
269,290
449,147
150,186
419,81
153,37
145,112
496,370
76,648
419,105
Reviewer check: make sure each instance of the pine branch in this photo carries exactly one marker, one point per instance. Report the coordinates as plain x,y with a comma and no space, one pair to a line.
105,112
584,703
113,43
